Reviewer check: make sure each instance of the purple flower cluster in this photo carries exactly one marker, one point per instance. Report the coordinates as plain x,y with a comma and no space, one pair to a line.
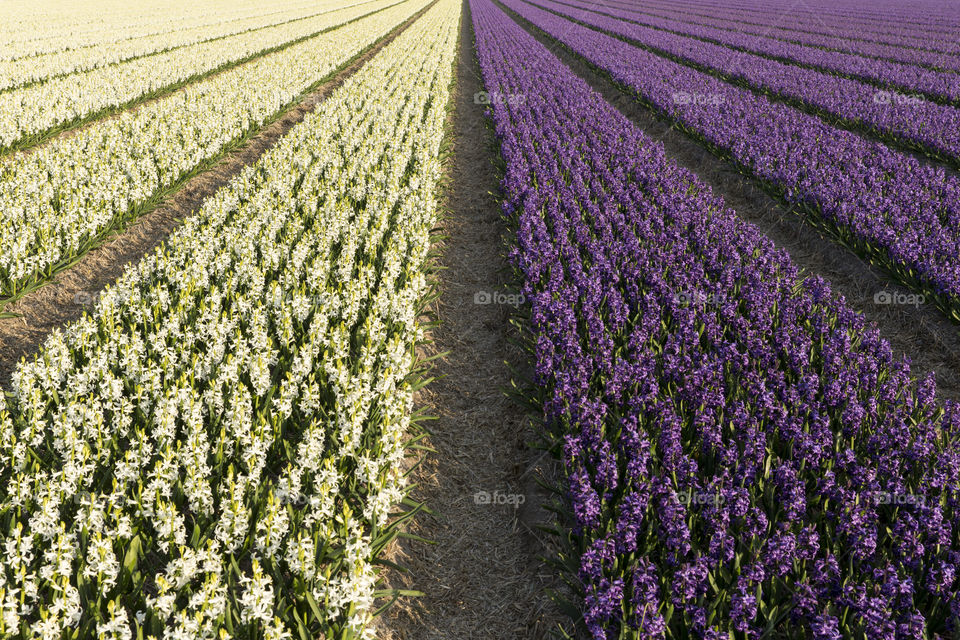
722,462
885,204
925,126
931,21
906,78
925,24
916,49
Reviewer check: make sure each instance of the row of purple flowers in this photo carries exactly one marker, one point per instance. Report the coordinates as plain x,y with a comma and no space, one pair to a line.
938,86
885,204
889,13
925,126
922,46
732,467
937,18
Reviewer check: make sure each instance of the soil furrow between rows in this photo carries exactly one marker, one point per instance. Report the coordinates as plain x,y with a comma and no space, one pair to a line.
482,576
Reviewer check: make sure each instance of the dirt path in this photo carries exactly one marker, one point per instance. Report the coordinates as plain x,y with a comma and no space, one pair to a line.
483,578
74,290
920,332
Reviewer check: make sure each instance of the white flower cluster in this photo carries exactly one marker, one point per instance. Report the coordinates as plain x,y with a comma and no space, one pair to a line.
216,451
28,112
55,200
25,70
30,28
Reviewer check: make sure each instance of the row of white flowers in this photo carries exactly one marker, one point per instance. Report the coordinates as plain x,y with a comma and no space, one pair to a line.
15,73
217,450
30,28
54,199
33,110
23,20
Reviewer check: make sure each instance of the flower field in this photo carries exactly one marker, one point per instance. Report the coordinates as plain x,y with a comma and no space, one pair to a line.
760,406
905,216
217,447
244,436
34,69
33,111
54,201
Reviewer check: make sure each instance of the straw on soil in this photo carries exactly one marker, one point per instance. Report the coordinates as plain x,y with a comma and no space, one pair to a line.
483,578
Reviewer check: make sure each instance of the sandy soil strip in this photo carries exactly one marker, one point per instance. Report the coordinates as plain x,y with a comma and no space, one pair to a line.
917,331
74,290
483,577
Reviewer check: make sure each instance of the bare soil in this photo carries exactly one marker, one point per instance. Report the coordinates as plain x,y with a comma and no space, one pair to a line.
921,333
483,578
72,291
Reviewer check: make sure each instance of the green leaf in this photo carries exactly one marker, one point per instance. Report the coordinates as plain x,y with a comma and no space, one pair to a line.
133,554
313,605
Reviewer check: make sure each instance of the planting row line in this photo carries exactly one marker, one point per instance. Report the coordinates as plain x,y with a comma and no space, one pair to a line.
31,114
892,17
881,203
940,86
23,71
920,46
218,449
927,127
741,454
31,29
59,199
932,18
